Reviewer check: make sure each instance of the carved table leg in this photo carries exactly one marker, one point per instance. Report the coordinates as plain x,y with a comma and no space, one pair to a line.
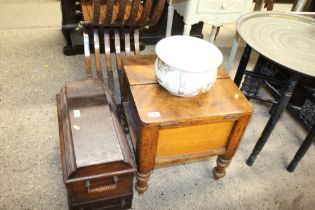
213,33
258,5
170,16
302,150
278,109
223,161
146,151
242,66
251,85
232,54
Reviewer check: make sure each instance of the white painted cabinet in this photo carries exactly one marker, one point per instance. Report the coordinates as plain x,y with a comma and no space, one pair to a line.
214,12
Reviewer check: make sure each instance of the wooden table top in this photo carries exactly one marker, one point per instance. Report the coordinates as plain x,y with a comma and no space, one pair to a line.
155,105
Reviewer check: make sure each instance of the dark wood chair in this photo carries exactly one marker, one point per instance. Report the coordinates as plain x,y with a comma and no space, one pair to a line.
72,15
114,27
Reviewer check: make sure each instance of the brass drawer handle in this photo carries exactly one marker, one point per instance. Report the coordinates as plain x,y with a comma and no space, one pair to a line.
232,117
78,12
102,188
169,124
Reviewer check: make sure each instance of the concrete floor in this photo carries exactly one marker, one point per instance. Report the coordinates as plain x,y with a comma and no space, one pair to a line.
33,69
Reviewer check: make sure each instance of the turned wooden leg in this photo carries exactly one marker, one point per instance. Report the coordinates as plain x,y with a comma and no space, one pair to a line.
142,182
146,151
219,170
223,161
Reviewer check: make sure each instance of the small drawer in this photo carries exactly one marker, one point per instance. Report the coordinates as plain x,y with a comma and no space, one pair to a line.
114,203
94,189
219,6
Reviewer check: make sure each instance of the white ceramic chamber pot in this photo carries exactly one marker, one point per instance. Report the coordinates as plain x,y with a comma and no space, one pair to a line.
186,66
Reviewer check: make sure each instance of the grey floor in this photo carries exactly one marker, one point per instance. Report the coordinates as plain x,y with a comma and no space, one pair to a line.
33,69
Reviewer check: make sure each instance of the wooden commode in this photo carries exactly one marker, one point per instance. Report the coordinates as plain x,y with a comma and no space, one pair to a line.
168,129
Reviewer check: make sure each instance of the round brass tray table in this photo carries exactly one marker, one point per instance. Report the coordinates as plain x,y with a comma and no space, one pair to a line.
288,41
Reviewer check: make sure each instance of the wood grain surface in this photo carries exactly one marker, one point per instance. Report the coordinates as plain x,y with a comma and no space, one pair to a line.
142,71
224,98
192,139
116,14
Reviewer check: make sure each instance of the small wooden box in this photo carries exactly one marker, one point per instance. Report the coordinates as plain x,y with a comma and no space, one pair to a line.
96,160
167,129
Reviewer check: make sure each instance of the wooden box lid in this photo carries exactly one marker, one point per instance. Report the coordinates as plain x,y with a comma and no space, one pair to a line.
157,106
92,140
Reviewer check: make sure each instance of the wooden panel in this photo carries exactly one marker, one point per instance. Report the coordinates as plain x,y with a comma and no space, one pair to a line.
156,105
86,13
87,9
217,6
95,139
193,138
108,203
66,149
236,136
133,123
92,145
179,158
140,70
105,188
